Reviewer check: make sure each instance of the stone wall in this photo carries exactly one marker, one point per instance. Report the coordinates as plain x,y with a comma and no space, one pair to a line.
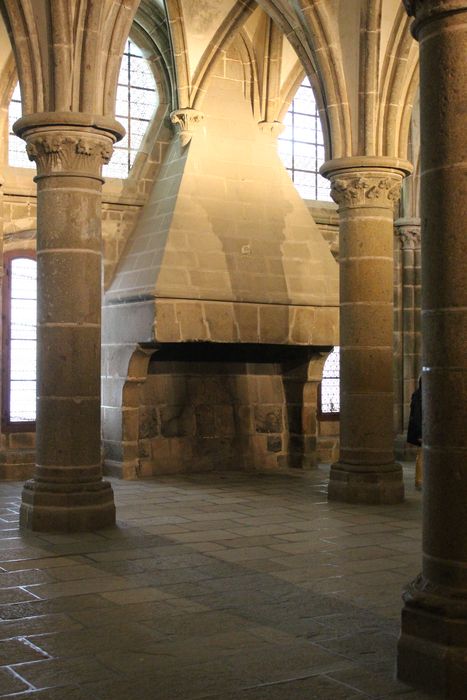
17,455
173,320
201,320
119,215
327,441
207,407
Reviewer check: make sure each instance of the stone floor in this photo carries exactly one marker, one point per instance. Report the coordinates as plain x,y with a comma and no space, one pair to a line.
228,586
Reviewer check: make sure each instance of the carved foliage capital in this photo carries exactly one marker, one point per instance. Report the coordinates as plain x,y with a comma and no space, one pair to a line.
60,152
187,121
365,190
410,237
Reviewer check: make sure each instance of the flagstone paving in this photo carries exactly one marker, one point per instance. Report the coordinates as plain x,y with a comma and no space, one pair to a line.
227,586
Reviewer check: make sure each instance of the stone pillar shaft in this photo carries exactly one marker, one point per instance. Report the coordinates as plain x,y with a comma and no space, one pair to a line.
68,329
366,194
67,492
1,280
433,644
409,236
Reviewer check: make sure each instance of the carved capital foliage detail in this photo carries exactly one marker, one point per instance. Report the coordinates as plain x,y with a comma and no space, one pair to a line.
367,190
61,152
187,121
410,238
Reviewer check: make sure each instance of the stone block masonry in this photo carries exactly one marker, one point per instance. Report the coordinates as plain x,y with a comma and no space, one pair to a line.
216,407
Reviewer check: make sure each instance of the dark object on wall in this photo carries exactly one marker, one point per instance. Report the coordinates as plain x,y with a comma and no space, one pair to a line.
414,430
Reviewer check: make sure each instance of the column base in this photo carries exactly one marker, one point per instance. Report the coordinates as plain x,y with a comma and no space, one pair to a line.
432,649
379,484
49,507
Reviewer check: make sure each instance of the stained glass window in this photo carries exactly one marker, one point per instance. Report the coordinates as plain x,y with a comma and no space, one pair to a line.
329,393
137,100
301,145
19,401
17,155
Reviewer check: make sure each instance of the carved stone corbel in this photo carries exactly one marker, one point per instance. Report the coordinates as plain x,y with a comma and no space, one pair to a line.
271,129
188,120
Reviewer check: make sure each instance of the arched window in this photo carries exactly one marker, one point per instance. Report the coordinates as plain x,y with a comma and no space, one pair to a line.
301,145
137,100
17,156
19,342
329,395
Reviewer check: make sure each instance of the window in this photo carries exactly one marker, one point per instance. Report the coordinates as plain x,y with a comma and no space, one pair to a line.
17,155
329,396
301,145
136,101
19,342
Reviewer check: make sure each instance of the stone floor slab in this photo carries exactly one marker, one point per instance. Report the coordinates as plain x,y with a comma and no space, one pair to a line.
221,586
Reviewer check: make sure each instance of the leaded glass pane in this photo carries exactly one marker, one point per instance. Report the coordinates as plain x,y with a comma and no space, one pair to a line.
17,156
120,167
121,106
23,340
305,157
330,396
23,402
137,129
287,134
136,102
301,145
285,153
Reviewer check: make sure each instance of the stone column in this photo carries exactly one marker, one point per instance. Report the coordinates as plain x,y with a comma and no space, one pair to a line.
366,190
67,492
408,231
1,293
433,643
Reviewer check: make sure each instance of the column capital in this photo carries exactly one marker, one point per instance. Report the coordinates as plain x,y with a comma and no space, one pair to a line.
365,180
425,11
409,232
68,144
271,129
187,120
